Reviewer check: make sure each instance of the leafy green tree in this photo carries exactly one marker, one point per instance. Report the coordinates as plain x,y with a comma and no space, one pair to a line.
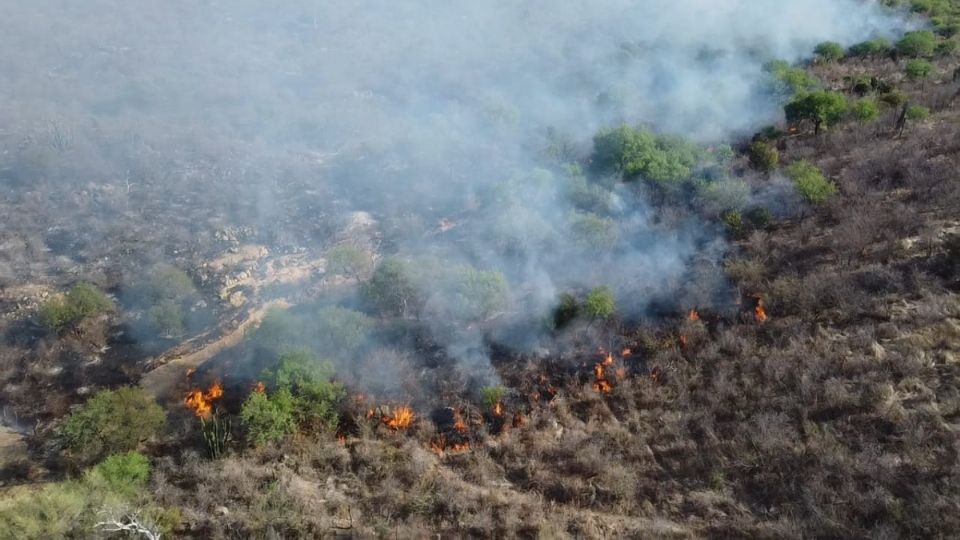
829,51
392,288
568,308
824,108
477,294
349,261
810,182
865,110
167,318
600,303
165,282
82,301
110,422
591,231
729,194
873,47
893,98
638,153
340,332
789,80
764,156
280,328
301,382
919,43
918,70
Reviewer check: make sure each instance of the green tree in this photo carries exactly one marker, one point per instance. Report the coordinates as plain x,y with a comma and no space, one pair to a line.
810,182
82,301
917,113
491,395
829,51
591,231
873,47
638,153
789,80
918,70
764,156
341,332
110,422
167,318
349,261
302,383
865,110
824,108
600,303
919,43
392,288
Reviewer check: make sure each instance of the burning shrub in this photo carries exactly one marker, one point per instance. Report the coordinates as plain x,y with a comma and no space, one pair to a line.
492,395
112,421
83,300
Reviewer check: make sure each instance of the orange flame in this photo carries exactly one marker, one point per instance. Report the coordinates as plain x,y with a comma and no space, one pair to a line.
693,315
682,340
498,409
202,402
458,423
600,383
341,438
260,388
439,446
759,313
402,418
190,372
625,353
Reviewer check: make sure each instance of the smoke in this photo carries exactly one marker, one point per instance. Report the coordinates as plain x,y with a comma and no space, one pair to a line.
263,112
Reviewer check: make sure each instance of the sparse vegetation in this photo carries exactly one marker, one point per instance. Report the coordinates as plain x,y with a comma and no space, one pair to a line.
83,301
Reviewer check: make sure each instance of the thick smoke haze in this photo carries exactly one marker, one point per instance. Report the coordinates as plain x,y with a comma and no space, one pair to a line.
413,111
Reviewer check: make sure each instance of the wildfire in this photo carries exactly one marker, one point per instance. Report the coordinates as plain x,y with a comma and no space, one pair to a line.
341,438
518,419
202,402
682,340
458,424
600,382
260,388
190,372
626,353
498,409
402,418
440,445
693,315
759,313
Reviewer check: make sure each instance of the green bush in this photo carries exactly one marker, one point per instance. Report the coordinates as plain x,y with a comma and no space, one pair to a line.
349,261
167,318
111,422
165,282
639,153
300,394
340,332
268,418
791,80
491,395
829,51
392,288
733,220
591,231
810,182
764,156
918,70
83,300
121,473
568,308
758,217
600,303
919,43
873,47
865,110
917,113
730,194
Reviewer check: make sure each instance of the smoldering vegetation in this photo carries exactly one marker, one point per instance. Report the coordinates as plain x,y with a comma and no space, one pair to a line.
204,115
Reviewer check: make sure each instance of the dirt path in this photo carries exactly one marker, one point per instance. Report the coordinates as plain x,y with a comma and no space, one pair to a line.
192,353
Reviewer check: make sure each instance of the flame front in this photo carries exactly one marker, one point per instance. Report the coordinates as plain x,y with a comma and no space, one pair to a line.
693,315
200,402
498,409
759,312
260,388
600,382
402,418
